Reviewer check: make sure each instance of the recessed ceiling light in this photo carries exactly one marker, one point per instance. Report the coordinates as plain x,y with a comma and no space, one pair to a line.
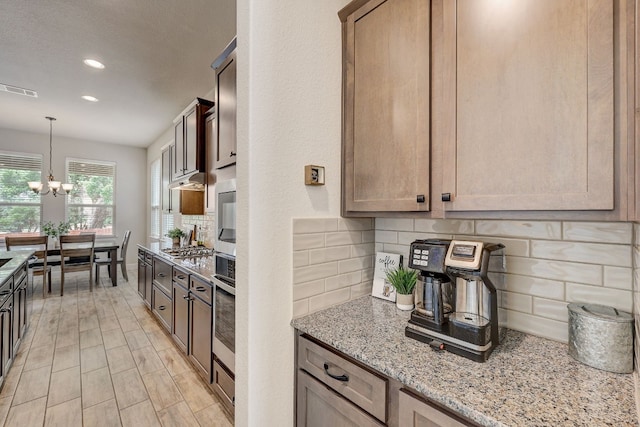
93,63
90,98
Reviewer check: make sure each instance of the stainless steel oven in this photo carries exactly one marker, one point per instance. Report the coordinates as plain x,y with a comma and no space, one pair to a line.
224,336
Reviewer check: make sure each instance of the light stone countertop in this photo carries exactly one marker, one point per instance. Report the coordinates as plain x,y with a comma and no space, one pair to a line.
527,381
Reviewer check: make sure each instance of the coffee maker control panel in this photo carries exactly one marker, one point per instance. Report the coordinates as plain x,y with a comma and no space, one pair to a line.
428,255
464,254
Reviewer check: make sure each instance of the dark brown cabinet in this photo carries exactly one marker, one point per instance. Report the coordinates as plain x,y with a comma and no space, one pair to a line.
145,276
161,306
225,100
190,146
200,326
19,308
162,274
180,329
6,352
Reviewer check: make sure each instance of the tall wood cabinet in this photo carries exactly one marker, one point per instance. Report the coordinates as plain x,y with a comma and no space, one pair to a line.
224,134
189,135
386,86
518,106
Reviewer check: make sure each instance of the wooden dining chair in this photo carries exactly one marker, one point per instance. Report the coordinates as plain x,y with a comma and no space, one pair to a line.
38,266
121,260
78,249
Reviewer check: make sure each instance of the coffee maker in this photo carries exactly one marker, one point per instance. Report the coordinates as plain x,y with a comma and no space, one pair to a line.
456,302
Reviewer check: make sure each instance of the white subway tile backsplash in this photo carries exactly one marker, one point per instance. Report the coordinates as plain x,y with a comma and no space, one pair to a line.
386,236
355,264
314,225
300,308
594,253
396,249
618,277
555,270
361,289
369,236
622,300
514,247
355,224
535,325
598,232
534,286
329,299
343,238
395,224
314,272
362,250
367,275
300,258
440,226
406,238
308,241
551,309
334,253
529,229
308,289
517,302
343,280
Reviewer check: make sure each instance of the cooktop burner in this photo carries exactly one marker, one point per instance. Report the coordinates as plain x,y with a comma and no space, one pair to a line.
188,252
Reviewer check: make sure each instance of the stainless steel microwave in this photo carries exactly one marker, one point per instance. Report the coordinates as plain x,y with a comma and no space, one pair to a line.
225,194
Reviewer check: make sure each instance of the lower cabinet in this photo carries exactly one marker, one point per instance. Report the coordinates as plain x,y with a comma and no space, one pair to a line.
148,280
319,406
180,329
200,324
141,275
6,341
161,306
223,383
333,389
19,312
415,412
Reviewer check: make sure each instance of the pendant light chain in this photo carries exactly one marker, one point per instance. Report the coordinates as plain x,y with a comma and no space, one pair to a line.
51,119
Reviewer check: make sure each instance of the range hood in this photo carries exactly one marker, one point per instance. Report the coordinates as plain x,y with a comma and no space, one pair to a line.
194,182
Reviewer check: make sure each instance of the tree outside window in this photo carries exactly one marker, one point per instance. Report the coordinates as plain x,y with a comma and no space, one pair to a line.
20,208
90,206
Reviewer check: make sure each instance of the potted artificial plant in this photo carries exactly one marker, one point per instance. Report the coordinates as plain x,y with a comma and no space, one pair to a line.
55,231
404,281
175,235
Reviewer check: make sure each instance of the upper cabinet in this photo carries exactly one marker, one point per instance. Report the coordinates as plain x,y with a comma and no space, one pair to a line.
190,146
528,109
498,109
386,92
224,135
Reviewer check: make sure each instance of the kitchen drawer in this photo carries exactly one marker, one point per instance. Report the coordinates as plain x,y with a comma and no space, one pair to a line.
161,306
201,289
148,257
141,253
319,406
181,276
224,385
361,386
162,274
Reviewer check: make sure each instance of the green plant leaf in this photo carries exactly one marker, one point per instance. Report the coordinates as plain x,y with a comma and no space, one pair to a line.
403,280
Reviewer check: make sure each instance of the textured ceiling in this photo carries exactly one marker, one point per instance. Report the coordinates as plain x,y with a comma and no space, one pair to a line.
157,54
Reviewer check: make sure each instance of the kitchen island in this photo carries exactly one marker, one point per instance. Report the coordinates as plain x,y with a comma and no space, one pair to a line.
527,380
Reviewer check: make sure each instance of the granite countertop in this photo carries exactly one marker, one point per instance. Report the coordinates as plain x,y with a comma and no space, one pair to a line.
526,381
16,258
203,267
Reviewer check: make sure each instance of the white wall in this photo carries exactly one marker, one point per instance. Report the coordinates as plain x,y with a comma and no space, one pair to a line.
289,91
130,176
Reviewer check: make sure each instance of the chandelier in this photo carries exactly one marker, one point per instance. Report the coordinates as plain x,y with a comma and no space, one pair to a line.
54,186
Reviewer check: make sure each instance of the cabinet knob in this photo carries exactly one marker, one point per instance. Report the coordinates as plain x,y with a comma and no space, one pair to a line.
446,197
420,198
233,153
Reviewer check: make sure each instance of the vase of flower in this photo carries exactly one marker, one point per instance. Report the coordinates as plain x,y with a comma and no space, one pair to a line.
55,231
404,282
175,234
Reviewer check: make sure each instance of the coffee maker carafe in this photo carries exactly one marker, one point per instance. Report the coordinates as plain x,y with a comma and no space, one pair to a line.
470,329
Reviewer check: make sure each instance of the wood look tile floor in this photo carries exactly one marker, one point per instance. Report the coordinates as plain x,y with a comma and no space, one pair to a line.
101,359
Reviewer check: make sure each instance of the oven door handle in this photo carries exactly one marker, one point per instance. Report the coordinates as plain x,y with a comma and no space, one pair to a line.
220,284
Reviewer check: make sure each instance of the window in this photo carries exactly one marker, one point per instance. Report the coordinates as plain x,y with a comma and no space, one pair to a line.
20,208
156,183
91,206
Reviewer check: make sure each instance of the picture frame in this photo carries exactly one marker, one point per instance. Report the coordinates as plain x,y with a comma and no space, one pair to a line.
384,262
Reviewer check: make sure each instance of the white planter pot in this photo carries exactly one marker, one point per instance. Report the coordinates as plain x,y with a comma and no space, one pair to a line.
404,302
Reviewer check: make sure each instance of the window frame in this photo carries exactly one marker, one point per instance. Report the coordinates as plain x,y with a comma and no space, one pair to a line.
39,158
155,179
68,161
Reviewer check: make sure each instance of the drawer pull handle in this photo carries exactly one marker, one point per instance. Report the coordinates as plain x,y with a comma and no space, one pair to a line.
201,289
161,307
181,277
186,297
343,378
162,275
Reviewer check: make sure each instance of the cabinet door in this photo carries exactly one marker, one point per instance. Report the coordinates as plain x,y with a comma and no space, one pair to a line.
200,336
527,102
178,158
148,283
386,90
167,156
6,350
180,329
190,141
318,406
226,112
417,413
141,278
161,307
210,197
